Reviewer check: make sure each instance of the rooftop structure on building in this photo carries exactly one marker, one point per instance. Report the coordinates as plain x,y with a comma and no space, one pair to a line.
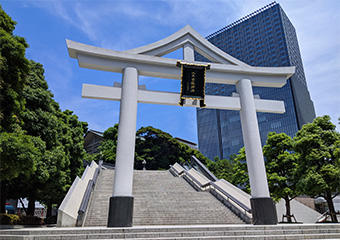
92,141
188,143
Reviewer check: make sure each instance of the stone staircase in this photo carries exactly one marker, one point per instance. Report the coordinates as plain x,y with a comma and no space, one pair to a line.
235,232
98,209
160,199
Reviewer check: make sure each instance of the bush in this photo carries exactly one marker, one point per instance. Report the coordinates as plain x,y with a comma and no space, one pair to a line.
31,220
9,219
51,220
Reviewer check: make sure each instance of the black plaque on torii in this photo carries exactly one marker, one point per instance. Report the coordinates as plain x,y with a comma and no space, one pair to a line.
192,81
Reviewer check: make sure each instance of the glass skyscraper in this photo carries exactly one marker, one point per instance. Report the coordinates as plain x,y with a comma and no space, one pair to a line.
264,38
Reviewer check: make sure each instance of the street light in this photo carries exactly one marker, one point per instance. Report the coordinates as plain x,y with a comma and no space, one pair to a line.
144,163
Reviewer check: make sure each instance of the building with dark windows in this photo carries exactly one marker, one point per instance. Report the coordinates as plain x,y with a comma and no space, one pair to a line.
264,38
92,141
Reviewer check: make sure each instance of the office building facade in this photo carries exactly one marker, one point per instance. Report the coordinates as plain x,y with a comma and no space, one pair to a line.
264,38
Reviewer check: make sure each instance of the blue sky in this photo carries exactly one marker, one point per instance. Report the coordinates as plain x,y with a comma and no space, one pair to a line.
122,25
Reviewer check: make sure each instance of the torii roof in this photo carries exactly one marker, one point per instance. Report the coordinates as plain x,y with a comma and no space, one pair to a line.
147,59
183,36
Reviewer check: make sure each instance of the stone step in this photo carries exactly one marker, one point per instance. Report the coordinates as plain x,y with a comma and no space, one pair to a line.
200,232
203,228
159,198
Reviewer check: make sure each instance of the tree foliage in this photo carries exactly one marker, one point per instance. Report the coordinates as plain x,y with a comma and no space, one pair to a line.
317,145
221,168
13,72
108,146
41,146
21,153
281,164
240,175
159,149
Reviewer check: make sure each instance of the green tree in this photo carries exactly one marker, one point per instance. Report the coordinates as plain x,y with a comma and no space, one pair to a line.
72,140
13,71
63,135
40,114
20,155
53,188
20,151
108,146
240,176
317,145
281,165
40,119
32,113
221,168
159,149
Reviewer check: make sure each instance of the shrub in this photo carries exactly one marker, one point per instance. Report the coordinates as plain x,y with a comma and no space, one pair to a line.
9,219
31,220
51,220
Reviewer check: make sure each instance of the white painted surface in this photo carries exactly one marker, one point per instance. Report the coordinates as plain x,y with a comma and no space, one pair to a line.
188,52
166,68
123,177
182,37
252,141
68,210
229,72
169,98
301,212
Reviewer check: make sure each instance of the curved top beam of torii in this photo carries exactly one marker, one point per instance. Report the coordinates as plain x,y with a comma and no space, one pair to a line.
179,39
147,60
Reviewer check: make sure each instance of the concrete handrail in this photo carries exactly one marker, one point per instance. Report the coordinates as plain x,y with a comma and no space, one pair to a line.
204,169
84,203
231,191
87,195
234,198
198,178
68,210
177,169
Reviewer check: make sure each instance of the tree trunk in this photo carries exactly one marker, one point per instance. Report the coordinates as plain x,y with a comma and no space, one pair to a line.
23,206
289,216
31,206
49,209
331,207
2,197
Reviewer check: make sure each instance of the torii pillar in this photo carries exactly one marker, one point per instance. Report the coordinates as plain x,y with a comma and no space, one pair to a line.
121,203
263,207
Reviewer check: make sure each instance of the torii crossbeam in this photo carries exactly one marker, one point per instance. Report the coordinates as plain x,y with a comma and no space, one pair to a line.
224,69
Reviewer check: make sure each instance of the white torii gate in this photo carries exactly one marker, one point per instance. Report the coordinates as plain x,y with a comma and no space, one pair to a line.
224,69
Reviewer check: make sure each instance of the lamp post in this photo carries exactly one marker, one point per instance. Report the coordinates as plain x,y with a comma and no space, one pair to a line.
144,163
